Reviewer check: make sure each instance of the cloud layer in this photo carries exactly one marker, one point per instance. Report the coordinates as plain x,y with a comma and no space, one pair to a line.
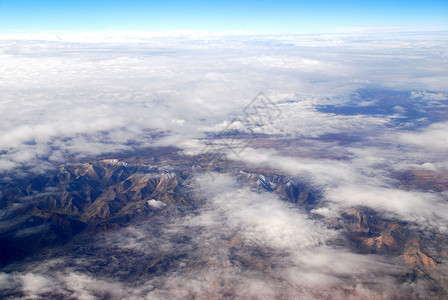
65,100
60,99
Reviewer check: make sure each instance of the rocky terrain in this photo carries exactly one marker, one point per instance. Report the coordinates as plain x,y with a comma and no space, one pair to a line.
63,214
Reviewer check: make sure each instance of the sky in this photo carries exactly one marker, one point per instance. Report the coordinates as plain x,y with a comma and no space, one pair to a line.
247,16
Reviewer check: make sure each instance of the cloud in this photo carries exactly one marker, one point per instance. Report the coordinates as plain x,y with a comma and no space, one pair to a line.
63,98
241,243
263,219
364,180
433,138
155,204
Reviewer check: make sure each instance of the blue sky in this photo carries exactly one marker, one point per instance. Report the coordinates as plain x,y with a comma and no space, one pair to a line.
253,16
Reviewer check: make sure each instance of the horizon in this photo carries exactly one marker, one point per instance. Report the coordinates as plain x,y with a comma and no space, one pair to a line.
265,17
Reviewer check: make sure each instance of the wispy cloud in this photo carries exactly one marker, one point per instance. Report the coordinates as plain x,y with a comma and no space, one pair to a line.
242,243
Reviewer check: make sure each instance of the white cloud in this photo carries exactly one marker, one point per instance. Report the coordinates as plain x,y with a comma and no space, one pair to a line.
156,204
63,97
53,91
433,138
36,284
429,95
262,218
236,232
360,181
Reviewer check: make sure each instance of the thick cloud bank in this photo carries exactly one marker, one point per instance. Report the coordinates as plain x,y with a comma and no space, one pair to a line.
61,99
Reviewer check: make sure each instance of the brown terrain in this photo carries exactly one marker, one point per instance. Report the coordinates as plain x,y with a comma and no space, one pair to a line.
63,211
